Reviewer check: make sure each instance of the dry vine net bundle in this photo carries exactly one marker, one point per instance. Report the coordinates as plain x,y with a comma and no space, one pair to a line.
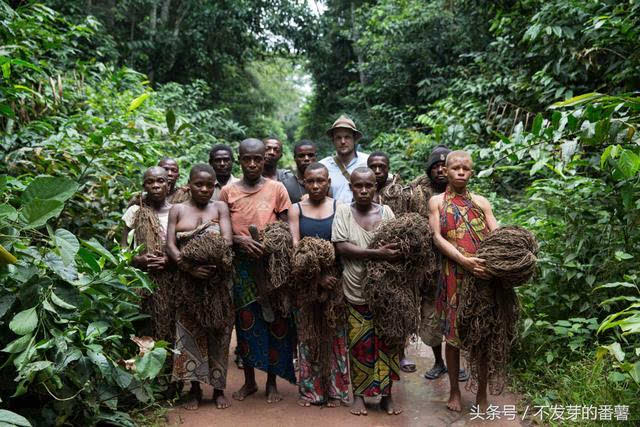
510,254
159,304
417,195
181,195
278,249
321,309
394,196
392,289
489,309
208,299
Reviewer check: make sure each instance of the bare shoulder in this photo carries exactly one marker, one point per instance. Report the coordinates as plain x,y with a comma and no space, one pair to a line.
435,201
221,206
177,208
481,201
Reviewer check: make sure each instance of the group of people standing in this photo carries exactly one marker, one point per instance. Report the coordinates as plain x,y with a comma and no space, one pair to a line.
340,199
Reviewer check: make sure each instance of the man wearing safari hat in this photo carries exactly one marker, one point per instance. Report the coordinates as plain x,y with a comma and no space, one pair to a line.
344,135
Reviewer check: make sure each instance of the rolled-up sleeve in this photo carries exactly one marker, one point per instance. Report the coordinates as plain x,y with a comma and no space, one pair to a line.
340,226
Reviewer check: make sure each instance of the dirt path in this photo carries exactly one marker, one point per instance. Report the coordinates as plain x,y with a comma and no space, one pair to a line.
423,401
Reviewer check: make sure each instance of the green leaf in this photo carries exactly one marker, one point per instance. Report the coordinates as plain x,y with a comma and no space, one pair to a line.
621,255
55,263
95,329
171,120
629,163
13,419
68,245
36,213
151,363
6,111
101,362
61,303
122,377
615,350
581,99
89,260
605,156
8,212
537,166
183,127
99,249
485,172
537,124
17,345
616,285
138,101
24,322
6,301
49,187
635,372
36,367
569,149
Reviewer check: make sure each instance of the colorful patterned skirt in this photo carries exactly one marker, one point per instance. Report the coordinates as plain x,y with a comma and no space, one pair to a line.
374,366
203,353
312,386
268,346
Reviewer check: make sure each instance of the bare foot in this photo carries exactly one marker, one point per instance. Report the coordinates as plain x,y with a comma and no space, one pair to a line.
358,407
272,394
303,402
481,401
333,403
455,401
220,399
193,399
245,390
387,405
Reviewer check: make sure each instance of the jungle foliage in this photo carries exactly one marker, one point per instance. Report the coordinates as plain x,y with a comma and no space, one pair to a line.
76,133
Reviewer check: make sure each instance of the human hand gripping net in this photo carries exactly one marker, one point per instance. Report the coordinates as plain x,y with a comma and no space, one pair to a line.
392,289
489,309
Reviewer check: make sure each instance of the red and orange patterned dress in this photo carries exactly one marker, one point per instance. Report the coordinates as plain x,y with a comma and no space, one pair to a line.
463,224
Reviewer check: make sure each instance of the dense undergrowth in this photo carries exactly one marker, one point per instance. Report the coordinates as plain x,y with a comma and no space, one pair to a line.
76,135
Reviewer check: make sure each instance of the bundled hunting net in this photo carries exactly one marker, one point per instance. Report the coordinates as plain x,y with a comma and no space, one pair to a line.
510,254
394,196
392,289
417,194
209,299
320,302
489,309
181,195
159,304
278,248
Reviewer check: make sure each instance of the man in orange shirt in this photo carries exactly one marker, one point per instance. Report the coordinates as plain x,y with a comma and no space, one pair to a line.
265,341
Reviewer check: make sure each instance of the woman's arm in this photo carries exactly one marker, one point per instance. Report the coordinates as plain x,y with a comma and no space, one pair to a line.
172,248
389,252
225,222
294,224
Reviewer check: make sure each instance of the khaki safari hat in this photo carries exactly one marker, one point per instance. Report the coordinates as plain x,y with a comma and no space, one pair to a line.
346,123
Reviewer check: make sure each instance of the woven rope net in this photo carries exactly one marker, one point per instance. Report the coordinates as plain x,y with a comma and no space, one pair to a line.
392,289
208,299
278,249
160,303
320,304
489,309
